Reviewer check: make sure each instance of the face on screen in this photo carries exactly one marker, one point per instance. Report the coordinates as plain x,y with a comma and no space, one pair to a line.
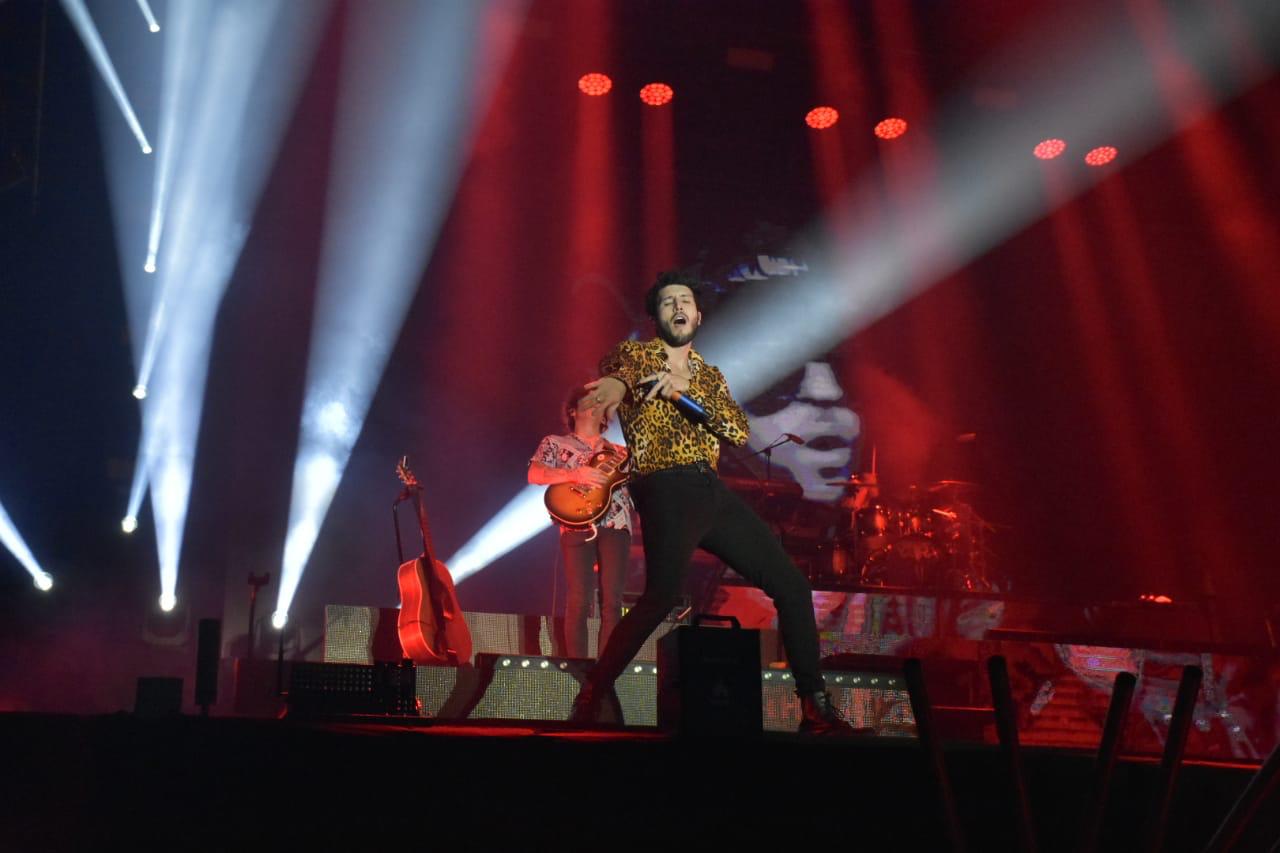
812,405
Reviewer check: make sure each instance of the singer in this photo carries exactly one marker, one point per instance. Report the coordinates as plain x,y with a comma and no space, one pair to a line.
683,505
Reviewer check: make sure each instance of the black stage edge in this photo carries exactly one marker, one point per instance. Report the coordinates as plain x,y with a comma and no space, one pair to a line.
379,783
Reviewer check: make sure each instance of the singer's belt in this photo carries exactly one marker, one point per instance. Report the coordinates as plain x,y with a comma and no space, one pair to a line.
699,467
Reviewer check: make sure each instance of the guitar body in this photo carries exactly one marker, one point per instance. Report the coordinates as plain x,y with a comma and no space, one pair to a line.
580,505
431,627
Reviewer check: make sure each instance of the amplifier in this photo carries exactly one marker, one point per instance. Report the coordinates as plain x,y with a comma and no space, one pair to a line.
348,688
709,679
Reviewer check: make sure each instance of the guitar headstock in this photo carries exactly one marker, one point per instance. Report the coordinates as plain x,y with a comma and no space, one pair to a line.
405,475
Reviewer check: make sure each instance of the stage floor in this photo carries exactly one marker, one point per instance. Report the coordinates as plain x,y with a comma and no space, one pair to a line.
75,783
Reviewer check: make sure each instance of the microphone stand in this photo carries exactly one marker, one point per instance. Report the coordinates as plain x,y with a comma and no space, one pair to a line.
768,456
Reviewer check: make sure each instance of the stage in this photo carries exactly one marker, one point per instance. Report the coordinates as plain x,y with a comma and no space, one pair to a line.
76,783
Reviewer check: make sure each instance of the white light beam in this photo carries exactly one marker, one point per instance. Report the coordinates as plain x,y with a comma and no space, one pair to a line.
79,16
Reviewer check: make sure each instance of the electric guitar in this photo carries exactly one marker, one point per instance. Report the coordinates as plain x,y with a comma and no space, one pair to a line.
580,505
431,627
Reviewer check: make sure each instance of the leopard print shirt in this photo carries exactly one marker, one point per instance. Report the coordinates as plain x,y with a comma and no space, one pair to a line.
657,434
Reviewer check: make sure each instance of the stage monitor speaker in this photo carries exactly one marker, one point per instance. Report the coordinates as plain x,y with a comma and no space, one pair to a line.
709,679
158,697
208,655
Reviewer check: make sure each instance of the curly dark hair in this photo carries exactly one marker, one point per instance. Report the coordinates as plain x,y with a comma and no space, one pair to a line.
670,277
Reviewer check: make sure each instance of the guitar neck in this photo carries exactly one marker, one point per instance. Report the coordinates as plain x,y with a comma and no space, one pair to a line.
428,547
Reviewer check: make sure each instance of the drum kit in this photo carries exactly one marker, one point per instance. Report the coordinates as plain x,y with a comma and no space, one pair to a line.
929,537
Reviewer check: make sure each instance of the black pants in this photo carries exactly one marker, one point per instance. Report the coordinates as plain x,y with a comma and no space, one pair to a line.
686,508
580,551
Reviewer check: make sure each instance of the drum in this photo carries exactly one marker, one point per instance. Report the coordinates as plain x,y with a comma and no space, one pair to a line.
832,566
874,526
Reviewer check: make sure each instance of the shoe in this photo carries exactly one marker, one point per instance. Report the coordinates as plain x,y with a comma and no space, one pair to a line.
819,716
595,705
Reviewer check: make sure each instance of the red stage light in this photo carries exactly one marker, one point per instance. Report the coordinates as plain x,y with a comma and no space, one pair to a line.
820,118
1049,149
657,94
891,128
594,84
1101,156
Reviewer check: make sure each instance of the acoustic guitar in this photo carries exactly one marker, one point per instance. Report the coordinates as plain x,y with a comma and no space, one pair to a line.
579,505
431,627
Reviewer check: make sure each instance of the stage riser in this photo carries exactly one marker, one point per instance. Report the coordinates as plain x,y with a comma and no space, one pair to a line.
538,688
1061,688
366,634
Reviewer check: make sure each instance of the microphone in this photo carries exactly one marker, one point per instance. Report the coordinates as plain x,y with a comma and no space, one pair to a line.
793,438
691,408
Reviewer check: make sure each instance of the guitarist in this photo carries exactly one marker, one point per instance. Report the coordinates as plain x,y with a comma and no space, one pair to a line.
562,459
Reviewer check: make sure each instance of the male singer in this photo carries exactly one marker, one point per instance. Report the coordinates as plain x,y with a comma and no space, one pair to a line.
675,410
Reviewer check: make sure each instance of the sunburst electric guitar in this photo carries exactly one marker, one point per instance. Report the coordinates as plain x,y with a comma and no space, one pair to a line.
580,505
431,627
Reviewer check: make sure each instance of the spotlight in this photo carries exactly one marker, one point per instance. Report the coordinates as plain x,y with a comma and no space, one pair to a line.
820,118
150,265
1049,148
657,94
79,15
1101,156
129,524
12,539
278,619
386,203
168,601
44,581
139,392
891,128
594,84
145,8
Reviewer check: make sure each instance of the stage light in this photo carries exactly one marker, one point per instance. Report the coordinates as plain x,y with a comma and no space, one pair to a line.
279,619
657,94
398,153
84,25
168,601
1049,148
18,547
231,72
820,118
44,581
145,8
129,524
1101,156
594,84
891,128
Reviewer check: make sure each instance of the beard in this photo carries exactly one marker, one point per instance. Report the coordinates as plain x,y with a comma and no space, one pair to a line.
677,337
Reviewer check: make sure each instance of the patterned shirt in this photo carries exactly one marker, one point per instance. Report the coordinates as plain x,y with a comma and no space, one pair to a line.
570,451
658,435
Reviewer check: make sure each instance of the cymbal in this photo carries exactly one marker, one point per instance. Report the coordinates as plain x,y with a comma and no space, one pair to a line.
943,485
853,481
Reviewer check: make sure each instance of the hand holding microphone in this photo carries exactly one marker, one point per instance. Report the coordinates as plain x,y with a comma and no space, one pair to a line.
674,388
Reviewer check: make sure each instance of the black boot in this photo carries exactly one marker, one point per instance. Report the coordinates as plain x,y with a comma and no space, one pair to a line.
818,716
